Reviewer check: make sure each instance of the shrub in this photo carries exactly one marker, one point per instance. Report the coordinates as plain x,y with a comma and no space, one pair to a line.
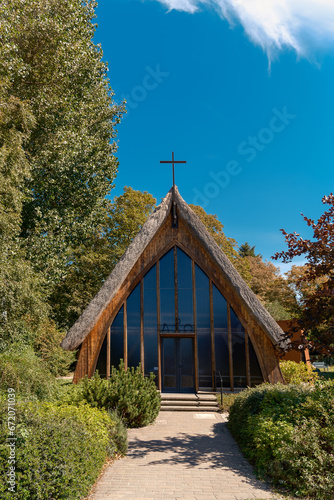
25,372
287,432
134,396
60,450
118,434
298,373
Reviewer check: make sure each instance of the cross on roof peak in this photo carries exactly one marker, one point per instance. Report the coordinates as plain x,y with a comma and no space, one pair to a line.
173,163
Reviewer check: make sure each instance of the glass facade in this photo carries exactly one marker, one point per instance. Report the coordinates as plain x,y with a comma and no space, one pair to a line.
150,323
192,333
117,339
221,336
203,328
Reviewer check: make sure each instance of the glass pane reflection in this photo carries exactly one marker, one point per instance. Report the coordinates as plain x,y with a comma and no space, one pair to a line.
167,296
221,336
150,323
133,317
239,351
185,293
203,328
117,339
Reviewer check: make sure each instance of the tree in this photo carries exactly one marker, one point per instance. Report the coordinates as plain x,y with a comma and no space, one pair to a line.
228,245
246,250
93,261
271,288
24,313
49,62
316,282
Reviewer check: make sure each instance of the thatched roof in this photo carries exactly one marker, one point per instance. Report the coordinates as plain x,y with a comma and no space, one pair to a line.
92,313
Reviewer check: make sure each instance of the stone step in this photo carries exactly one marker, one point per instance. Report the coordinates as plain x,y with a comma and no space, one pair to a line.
165,396
189,402
188,397
189,408
181,402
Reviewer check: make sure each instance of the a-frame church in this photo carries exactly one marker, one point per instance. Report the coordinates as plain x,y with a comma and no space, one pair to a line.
176,304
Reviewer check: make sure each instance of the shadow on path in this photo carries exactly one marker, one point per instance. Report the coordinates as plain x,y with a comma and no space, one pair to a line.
216,450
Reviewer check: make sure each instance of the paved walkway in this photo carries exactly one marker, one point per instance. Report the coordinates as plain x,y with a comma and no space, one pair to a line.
189,456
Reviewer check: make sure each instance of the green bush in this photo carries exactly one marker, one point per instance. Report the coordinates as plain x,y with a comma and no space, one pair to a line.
28,374
60,450
118,434
298,373
287,432
134,396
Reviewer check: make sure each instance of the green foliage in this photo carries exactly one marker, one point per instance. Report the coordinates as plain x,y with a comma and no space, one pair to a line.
23,371
246,250
298,373
51,66
228,245
60,450
94,259
278,310
118,434
134,396
287,433
127,214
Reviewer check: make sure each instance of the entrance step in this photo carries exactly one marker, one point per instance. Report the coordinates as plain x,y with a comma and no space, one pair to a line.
189,402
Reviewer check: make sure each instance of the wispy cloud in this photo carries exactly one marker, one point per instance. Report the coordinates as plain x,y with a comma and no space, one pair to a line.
273,24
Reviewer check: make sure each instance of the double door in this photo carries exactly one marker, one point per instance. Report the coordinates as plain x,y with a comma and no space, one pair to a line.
178,364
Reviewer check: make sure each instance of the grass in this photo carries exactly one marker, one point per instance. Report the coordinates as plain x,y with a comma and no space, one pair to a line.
228,400
328,374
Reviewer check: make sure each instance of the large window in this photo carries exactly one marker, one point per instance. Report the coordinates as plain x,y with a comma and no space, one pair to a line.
175,299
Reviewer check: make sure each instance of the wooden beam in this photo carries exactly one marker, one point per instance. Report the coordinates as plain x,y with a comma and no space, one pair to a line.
176,294
158,326
108,353
230,352
142,359
193,273
248,373
212,333
125,333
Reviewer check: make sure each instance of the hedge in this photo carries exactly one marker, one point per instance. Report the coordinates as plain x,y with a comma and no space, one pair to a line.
60,450
287,432
28,374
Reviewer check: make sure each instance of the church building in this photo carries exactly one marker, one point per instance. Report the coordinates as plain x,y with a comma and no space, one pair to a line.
175,304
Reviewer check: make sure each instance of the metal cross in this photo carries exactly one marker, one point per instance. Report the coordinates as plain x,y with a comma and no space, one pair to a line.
173,163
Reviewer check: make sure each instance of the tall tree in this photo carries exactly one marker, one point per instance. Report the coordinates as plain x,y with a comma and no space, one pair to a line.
228,245
273,290
246,250
94,259
24,312
316,282
49,61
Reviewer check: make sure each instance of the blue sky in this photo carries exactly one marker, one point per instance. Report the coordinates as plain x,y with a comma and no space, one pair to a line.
242,92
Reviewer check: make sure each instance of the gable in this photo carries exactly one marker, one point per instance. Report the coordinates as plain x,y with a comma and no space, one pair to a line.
156,236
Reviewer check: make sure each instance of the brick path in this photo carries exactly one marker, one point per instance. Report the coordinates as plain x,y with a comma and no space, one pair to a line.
190,456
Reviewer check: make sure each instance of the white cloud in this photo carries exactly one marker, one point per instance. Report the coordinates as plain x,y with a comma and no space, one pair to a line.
274,24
